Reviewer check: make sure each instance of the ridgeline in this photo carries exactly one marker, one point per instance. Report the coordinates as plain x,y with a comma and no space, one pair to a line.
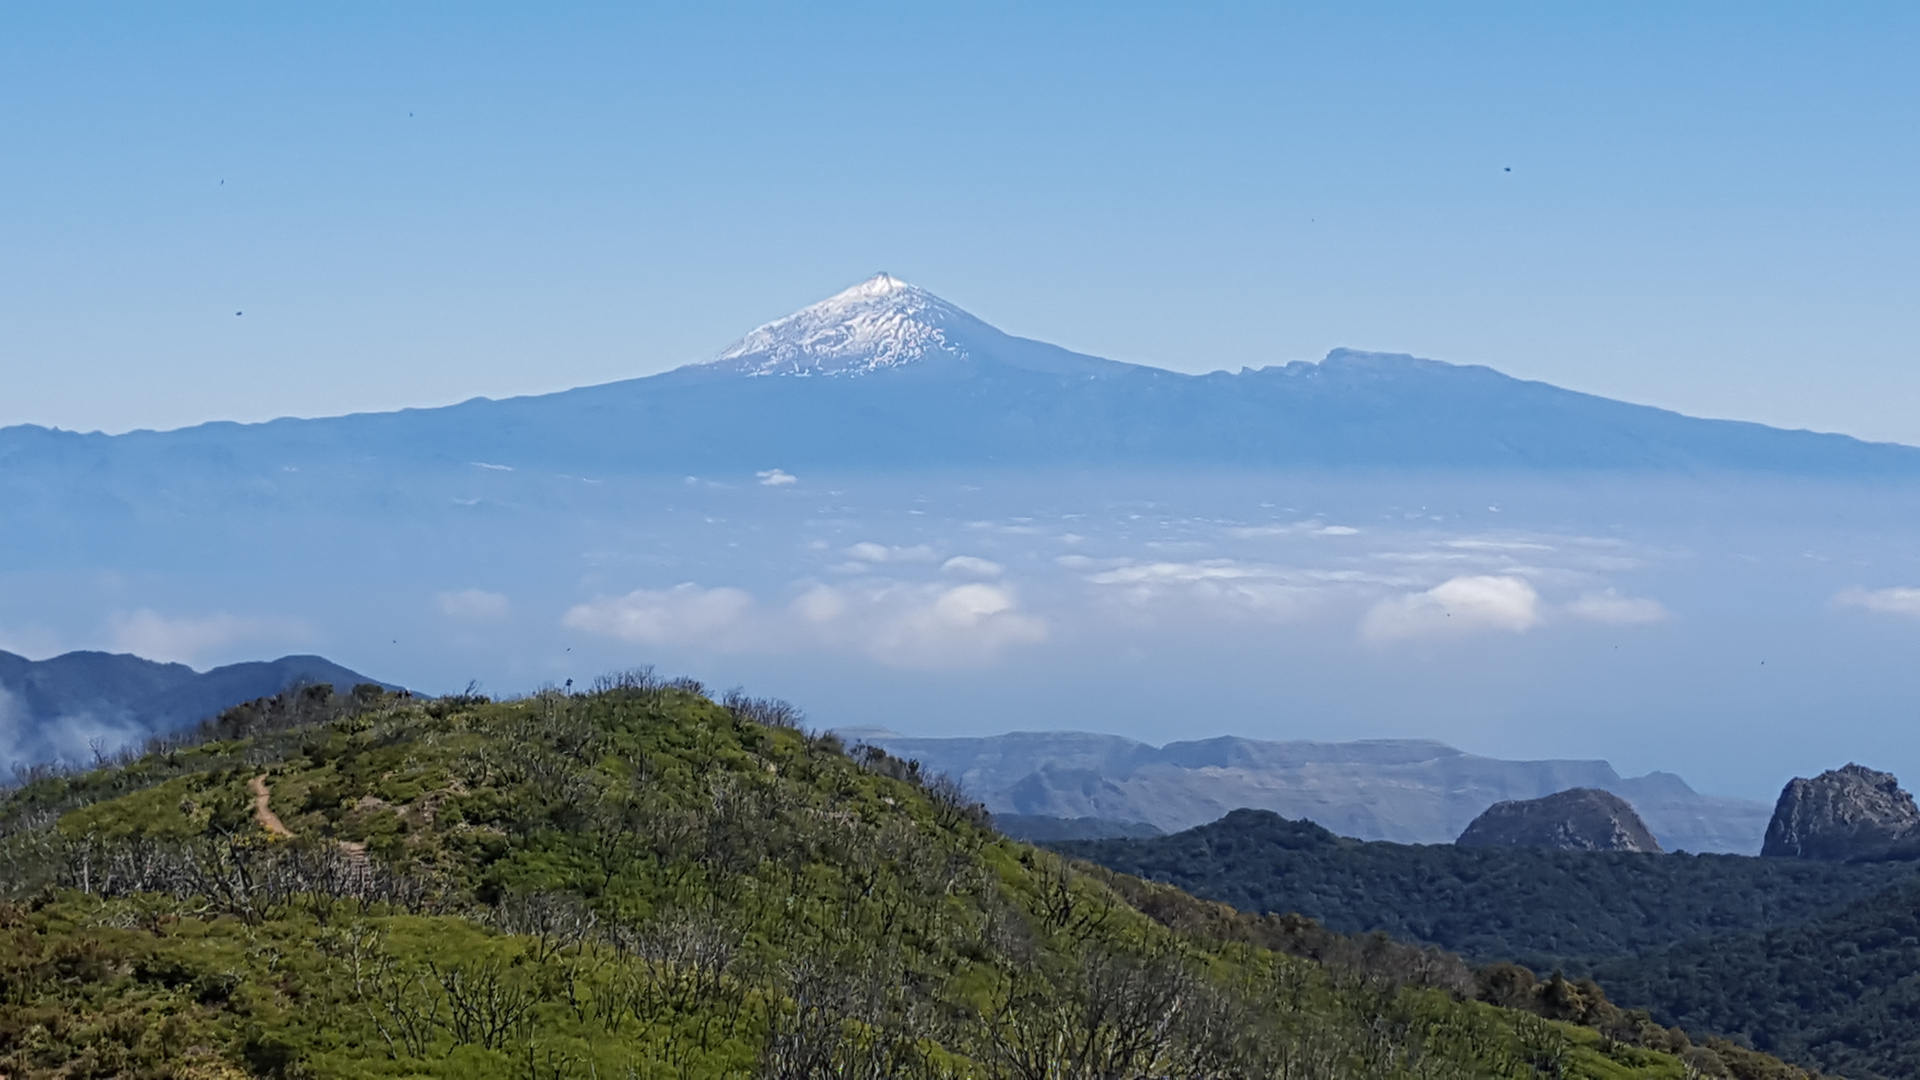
645,882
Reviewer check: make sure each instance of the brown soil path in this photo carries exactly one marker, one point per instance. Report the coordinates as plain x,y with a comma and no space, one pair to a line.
262,811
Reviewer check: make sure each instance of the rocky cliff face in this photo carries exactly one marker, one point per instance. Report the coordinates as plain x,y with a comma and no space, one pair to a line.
1578,819
1847,813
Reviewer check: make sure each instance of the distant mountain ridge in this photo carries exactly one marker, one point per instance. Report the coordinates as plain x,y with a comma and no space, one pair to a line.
1411,791
886,376
54,709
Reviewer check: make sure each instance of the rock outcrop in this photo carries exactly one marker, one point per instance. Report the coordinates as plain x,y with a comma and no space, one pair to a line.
1578,819
1847,813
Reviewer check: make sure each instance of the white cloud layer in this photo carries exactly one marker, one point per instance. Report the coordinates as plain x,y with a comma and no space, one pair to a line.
1615,610
776,477
972,566
921,626
1888,601
894,623
473,605
189,639
683,615
1212,588
1298,528
870,552
1460,605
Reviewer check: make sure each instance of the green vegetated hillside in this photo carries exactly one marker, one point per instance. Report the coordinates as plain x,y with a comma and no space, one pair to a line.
644,882
1816,962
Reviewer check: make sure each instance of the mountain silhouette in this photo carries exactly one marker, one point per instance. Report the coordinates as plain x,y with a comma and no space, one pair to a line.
65,707
889,377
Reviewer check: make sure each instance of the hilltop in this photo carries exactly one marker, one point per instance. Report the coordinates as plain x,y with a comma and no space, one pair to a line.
644,881
1577,819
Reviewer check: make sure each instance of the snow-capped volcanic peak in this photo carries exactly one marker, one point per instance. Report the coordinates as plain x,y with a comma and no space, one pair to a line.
882,322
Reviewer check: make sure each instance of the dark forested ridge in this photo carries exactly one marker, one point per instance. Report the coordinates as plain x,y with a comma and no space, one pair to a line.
1817,962
645,882
1543,908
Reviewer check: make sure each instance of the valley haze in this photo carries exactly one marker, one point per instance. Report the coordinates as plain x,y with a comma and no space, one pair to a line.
900,517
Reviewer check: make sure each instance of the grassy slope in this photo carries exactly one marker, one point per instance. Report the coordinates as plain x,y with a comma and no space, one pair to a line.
643,882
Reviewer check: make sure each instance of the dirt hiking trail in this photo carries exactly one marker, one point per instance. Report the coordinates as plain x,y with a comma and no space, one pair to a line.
262,810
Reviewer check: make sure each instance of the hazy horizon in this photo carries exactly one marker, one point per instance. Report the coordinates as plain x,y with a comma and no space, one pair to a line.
241,213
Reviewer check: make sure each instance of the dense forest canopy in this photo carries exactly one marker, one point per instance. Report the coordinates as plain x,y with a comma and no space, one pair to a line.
1809,960
1540,907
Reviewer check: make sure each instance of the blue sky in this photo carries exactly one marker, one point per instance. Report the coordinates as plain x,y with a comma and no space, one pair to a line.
1709,205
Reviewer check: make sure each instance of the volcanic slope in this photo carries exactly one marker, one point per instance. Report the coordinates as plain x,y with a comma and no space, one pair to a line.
646,882
886,376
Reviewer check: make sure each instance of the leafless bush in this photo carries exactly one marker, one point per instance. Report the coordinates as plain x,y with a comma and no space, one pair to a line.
950,801
489,1004
640,679
769,712
745,822
689,954
680,965
32,772
875,759
551,922
482,1002
1112,1014
1069,904
245,875
839,1018
403,1005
